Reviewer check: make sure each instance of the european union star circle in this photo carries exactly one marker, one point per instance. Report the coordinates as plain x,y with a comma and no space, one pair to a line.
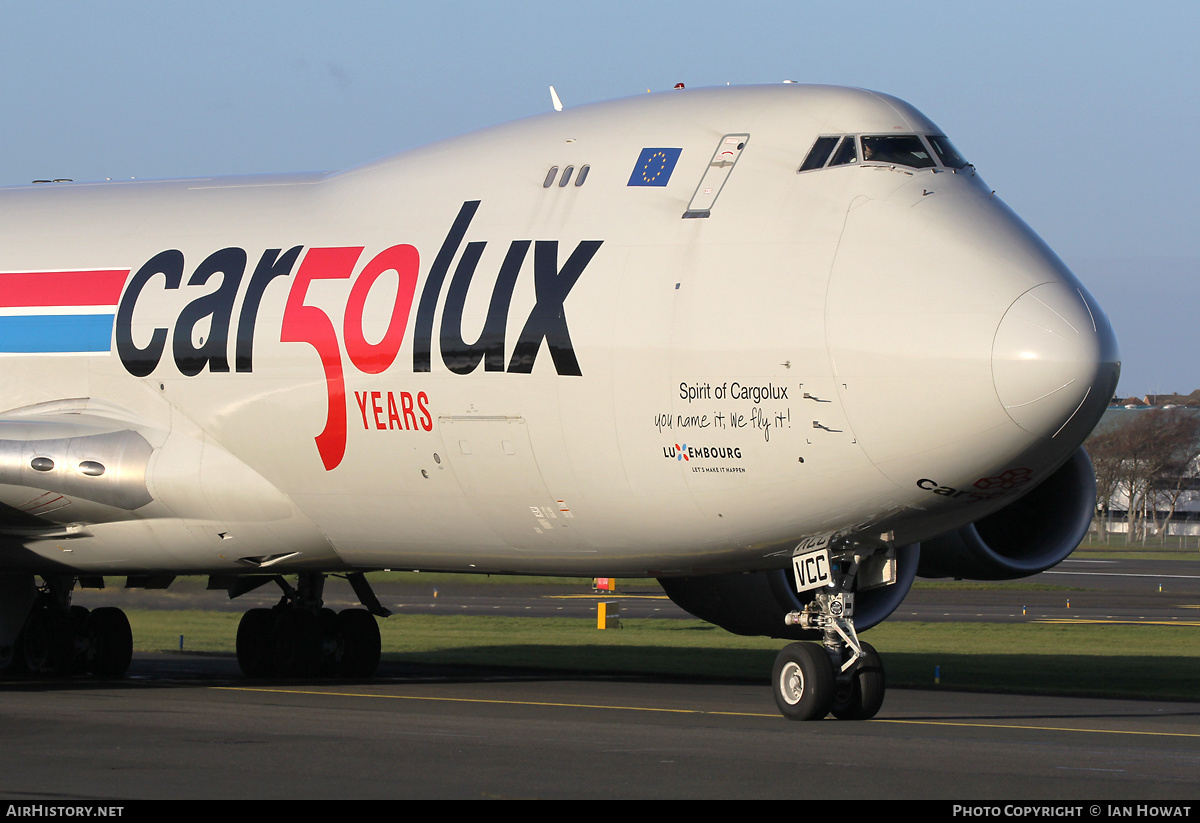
654,167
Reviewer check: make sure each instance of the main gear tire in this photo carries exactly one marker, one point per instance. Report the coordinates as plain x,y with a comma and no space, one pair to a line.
112,642
254,642
359,637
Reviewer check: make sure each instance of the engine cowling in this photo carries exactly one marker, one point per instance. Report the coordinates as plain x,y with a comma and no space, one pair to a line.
755,603
1027,536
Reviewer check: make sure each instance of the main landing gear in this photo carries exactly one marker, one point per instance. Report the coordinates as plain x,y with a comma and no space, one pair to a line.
301,638
57,638
840,675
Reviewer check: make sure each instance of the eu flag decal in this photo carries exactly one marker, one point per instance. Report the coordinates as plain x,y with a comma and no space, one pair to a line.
654,167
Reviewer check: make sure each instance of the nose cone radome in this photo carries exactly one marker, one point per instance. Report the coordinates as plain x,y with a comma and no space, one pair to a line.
1054,359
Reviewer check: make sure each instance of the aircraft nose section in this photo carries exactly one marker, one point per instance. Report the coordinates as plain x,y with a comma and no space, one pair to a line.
959,341
1054,359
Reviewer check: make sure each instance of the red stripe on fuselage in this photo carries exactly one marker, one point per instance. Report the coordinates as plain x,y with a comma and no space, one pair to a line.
62,288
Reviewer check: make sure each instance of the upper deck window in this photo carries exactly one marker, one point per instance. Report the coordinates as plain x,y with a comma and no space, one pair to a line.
946,153
898,149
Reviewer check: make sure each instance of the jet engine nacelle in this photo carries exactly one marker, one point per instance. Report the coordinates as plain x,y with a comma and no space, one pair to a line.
1025,537
755,603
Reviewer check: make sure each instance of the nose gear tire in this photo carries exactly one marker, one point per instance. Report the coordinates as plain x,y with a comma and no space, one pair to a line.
802,681
861,695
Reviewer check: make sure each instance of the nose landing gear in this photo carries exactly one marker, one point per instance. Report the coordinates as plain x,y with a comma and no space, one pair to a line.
841,674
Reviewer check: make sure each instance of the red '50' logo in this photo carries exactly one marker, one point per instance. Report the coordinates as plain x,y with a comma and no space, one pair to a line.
308,324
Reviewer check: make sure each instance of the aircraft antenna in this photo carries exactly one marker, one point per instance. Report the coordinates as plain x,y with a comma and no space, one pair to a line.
554,99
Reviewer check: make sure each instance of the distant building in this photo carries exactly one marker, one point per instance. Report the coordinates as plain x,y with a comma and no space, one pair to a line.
1159,400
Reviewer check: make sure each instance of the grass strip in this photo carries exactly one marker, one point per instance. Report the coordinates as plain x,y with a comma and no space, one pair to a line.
1108,660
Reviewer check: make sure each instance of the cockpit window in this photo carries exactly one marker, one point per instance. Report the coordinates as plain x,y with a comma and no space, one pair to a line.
910,150
900,149
946,153
819,153
846,152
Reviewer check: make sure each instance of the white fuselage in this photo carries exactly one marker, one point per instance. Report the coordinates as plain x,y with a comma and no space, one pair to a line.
461,368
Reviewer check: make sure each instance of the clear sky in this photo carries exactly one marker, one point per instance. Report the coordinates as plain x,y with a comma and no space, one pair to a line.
1073,112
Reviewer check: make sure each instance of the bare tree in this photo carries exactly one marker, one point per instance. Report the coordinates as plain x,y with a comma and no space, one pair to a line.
1148,460
1105,449
1178,436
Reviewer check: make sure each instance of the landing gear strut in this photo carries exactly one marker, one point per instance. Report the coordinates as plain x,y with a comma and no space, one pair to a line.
842,674
301,638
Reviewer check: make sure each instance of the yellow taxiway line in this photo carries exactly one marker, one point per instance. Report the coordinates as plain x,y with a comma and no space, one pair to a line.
959,724
1081,621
